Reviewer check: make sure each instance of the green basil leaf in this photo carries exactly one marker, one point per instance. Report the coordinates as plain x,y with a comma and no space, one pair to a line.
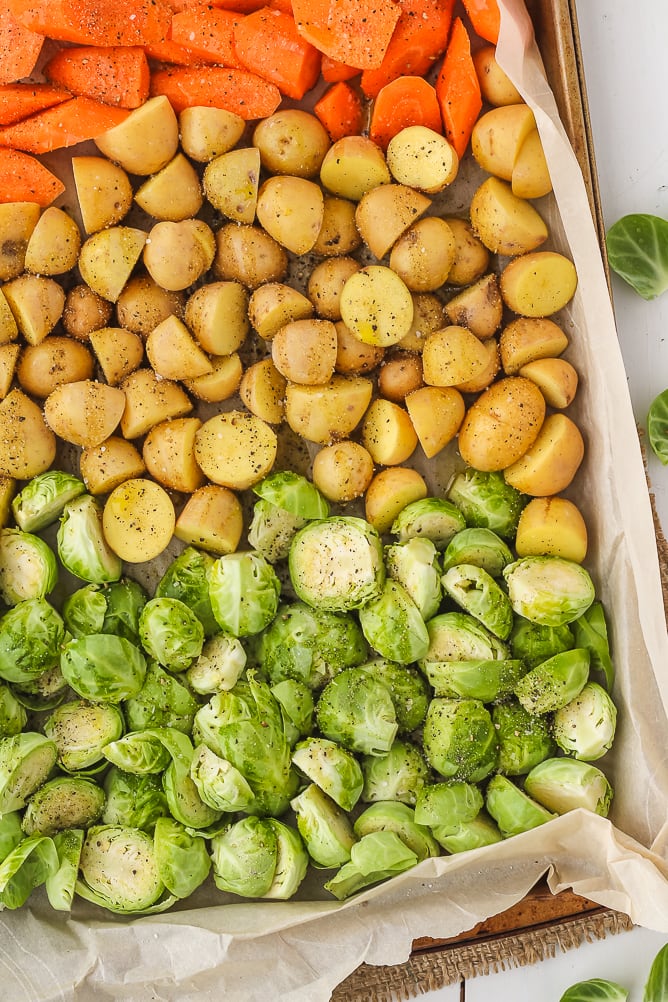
656,989
657,426
596,990
637,247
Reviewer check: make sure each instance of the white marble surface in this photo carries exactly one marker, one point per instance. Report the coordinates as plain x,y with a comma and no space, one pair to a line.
626,69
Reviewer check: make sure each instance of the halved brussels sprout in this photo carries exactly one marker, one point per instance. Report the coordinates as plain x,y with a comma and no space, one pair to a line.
293,493
337,563
513,810
397,775
140,753
459,739
31,637
485,680
524,738
487,501
133,801
555,682
11,832
549,590
187,578
28,567
377,856
415,565
106,608
356,710
82,548
171,633
80,730
183,799
332,768
64,802
297,708
448,805
103,668
565,784
27,866
291,862
61,884
393,626
393,816
585,727
591,631
479,546
244,593
43,693
13,716
41,501
436,519
219,666
259,858
182,859
119,869
534,642
476,591
408,691
474,834
272,530
219,783
326,829
162,701
26,761
457,636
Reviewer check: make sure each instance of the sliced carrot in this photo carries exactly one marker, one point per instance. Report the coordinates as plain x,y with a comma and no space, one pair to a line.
267,42
458,90
66,124
420,37
485,18
117,75
285,5
246,94
332,71
238,6
25,179
356,32
340,111
92,22
208,32
408,100
19,48
170,52
18,100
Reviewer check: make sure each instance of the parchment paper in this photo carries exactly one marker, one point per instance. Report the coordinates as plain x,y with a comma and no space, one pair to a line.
299,951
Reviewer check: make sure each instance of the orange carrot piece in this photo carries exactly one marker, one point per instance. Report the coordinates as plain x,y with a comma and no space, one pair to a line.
92,22
420,37
170,52
238,6
208,32
285,5
333,71
246,94
458,90
25,179
267,42
340,111
356,32
408,100
63,125
485,18
19,48
117,75
18,100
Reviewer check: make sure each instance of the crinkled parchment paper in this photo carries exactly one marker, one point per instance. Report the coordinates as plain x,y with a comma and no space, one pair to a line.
299,951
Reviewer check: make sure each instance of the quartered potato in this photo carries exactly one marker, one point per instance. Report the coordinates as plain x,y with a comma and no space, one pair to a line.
150,400
104,192
385,212
217,316
143,304
173,352
54,244
231,183
208,132
27,443
221,383
118,351
352,166
37,304
108,257
174,193
322,414
262,391
506,224
211,519
291,210
103,467
146,141
274,304
168,453
479,307
17,222
338,232
9,356
8,329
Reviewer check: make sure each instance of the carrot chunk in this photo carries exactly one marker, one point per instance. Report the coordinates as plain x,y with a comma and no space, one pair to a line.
246,94
408,100
25,179
91,22
458,90
420,37
485,18
332,71
208,32
19,48
170,52
18,100
340,111
356,32
66,124
117,75
267,42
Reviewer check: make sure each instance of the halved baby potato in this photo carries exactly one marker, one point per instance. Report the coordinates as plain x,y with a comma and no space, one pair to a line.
506,224
53,247
55,360
231,183
437,413
84,412
389,492
217,315
552,526
385,212
211,520
173,352
550,463
235,449
168,453
27,443
37,304
291,210
138,520
388,434
103,467
118,351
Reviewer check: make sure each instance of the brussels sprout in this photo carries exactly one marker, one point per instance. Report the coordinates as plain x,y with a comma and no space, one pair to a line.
108,608
377,856
41,501
534,642
474,834
244,592
513,810
61,884
26,761
487,501
272,530
187,578
310,645
293,493
485,680
476,591
162,701
119,869
82,548
459,739
393,816
524,738
415,565
337,563
64,802
140,753
397,775
591,631
133,801
555,682
332,768
244,857
80,730
549,590
448,805
219,783
564,784
171,633
585,727
436,519
28,567
393,626
291,862
31,636
13,716
26,867
183,799
478,546
356,710
457,636
182,859
43,693
326,829
408,691
297,708
219,666
11,832
104,668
